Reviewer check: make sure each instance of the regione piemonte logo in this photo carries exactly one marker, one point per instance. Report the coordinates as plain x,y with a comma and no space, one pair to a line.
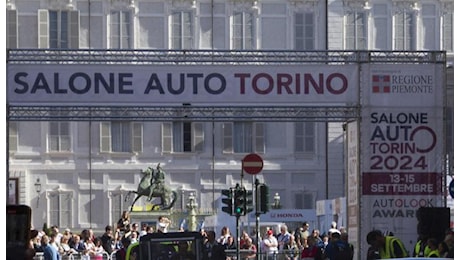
403,83
380,83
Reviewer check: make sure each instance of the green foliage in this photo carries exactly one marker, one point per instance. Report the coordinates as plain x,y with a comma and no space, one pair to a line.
46,229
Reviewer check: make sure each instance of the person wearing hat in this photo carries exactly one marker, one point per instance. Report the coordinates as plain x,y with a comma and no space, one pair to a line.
270,245
333,227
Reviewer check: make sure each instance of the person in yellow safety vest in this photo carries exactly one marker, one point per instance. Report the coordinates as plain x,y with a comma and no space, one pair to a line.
433,246
421,248
388,246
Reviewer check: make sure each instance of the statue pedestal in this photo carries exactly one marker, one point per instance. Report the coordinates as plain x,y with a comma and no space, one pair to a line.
148,217
177,217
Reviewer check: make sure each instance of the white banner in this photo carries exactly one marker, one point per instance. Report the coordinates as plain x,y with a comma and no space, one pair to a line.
286,215
402,147
353,178
417,85
194,84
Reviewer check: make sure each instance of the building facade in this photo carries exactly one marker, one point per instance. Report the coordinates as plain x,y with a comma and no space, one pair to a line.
77,174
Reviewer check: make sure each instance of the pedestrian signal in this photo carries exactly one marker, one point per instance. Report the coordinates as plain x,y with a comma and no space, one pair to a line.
248,202
263,195
239,202
228,201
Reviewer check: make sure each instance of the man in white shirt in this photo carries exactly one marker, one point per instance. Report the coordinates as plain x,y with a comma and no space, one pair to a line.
270,245
58,236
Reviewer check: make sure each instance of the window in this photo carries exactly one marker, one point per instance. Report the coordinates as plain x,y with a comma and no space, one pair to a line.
304,137
356,31
120,30
118,205
304,31
180,137
213,17
11,29
381,32
181,31
60,211
243,137
59,23
13,136
429,35
58,29
121,136
243,24
59,138
404,30
303,201
447,32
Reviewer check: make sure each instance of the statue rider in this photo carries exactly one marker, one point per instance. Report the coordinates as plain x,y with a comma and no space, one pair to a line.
159,179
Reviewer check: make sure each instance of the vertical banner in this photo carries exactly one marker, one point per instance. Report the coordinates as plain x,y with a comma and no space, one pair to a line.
353,182
13,195
402,147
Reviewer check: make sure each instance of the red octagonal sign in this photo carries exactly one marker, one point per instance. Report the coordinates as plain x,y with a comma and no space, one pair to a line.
252,163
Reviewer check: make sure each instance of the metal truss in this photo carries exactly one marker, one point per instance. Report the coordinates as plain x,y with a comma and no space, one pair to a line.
309,112
186,113
201,57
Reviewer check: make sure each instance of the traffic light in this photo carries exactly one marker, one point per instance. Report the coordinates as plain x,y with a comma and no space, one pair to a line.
239,202
228,201
264,199
248,202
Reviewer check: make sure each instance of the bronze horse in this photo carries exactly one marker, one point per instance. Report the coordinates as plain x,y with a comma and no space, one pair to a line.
152,186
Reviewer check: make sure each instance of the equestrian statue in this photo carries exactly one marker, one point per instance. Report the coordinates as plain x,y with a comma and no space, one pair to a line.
152,186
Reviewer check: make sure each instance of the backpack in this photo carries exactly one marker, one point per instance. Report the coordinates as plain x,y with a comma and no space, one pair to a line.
343,251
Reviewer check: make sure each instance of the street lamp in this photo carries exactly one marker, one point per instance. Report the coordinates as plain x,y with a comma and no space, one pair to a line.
192,206
277,201
191,201
38,189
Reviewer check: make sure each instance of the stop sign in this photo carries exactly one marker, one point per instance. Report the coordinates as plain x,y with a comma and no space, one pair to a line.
252,163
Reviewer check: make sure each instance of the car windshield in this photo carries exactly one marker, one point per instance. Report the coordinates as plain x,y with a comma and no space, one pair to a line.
172,245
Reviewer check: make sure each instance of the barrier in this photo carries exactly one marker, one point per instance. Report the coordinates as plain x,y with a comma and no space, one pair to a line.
249,255
102,256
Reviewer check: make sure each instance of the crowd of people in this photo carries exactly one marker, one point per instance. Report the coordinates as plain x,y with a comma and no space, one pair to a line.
384,246
299,244
55,245
303,244
284,245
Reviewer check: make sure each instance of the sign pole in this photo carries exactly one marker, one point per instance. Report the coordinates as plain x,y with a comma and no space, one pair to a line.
238,238
253,164
242,172
257,206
